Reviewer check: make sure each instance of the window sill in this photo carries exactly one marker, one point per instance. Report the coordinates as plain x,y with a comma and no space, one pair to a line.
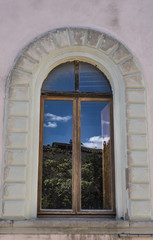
76,226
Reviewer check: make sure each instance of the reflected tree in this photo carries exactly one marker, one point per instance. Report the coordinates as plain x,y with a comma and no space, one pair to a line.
57,177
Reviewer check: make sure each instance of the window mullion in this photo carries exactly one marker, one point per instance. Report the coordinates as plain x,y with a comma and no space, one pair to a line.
74,163
79,154
76,201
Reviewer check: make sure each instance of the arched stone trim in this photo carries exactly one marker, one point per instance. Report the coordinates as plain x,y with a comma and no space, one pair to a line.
22,117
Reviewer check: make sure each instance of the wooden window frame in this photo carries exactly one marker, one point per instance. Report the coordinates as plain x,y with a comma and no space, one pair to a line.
76,97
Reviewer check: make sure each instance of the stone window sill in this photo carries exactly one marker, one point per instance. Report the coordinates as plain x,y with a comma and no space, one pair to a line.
77,226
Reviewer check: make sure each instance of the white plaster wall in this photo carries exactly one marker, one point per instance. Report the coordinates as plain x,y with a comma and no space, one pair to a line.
130,21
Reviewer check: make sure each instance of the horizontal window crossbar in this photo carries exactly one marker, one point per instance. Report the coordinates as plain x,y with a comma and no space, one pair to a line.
76,94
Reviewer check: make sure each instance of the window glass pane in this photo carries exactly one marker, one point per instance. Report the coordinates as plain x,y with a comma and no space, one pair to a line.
92,79
57,155
95,155
60,79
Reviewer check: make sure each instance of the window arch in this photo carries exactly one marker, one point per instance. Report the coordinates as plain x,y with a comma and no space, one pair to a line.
76,160
23,110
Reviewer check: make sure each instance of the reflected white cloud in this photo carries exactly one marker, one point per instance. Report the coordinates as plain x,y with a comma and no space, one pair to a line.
95,139
54,117
50,125
96,142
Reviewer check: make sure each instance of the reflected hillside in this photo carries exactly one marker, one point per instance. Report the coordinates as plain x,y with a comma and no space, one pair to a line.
57,176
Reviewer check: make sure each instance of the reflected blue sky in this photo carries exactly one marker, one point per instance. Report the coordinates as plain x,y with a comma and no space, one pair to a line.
93,124
62,78
58,121
92,79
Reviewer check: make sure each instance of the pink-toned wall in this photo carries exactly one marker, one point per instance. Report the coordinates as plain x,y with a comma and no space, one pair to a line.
130,21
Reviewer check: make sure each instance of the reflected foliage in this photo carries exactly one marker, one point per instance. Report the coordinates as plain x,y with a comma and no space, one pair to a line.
57,177
91,184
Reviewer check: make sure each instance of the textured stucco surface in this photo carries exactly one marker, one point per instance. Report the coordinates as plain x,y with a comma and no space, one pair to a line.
68,237
129,21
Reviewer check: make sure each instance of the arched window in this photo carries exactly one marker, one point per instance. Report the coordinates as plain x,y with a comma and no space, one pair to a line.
131,153
76,167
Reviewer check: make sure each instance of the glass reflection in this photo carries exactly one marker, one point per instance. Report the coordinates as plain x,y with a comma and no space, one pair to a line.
95,155
61,78
57,155
92,79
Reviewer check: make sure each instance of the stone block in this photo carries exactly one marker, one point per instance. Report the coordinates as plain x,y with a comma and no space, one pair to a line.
140,209
19,93
47,43
77,36
25,64
16,157
93,38
13,208
16,140
136,110
34,51
136,126
139,191
137,158
14,191
17,124
120,54
62,38
19,79
129,67
134,81
15,174
108,44
18,108
135,96
138,175
137,142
